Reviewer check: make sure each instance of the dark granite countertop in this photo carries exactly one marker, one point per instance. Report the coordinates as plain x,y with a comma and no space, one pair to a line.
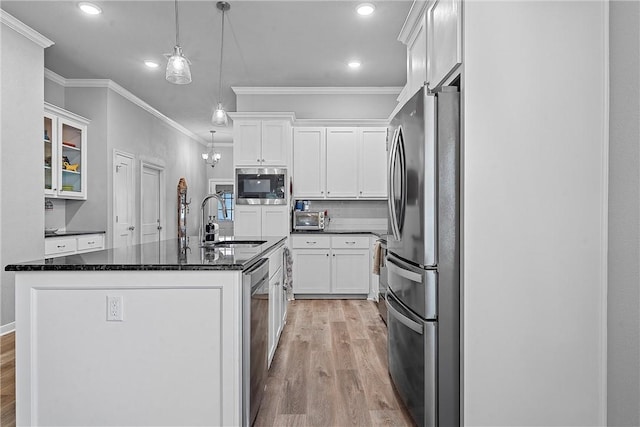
71,233
164,255
378,233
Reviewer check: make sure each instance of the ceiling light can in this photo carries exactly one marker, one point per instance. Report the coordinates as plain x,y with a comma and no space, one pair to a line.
89,8
365,9
354,64
151,64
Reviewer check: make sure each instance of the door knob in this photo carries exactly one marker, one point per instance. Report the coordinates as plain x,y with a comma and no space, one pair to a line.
132,228
159,227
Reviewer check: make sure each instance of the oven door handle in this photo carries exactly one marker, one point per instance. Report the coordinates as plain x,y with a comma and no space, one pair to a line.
414,326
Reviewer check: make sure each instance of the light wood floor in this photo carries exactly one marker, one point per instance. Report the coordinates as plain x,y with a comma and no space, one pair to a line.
330,369
8,380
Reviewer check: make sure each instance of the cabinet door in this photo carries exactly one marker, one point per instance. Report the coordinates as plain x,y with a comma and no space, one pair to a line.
72,159
275,221
51,162
309,162
373,163
275,302
350,271
247,221
311,271
276,135
246,142
445,48
417,59
342,163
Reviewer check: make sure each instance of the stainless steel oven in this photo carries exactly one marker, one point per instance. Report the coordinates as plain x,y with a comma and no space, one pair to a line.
261,186
255,337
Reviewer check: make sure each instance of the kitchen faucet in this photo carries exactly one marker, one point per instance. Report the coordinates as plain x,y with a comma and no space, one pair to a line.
202,223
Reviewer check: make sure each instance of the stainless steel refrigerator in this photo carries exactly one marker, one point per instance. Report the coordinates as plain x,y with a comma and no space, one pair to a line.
423,260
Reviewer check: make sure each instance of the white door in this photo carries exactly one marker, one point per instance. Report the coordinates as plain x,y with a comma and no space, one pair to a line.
342,163
123,200
308,162
151,218
373,163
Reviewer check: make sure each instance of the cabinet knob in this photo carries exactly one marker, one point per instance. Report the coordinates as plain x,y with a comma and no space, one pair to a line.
327,254
328,192
258,160
334,255
322,192
132,228
262,160
159,227
361,192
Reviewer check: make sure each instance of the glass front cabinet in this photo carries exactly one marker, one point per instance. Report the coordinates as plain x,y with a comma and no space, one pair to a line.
65,154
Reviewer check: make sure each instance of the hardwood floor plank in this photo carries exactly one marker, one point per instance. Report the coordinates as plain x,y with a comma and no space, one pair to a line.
322,386
8,380
341,346
353,319
291,420
375,379
269,407
390,418
353,411
295,384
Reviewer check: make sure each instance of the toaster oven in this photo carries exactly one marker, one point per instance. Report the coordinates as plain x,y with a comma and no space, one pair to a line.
308,220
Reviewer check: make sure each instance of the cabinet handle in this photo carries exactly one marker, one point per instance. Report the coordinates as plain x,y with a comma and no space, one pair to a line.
62,246
350,243
311,243
91,243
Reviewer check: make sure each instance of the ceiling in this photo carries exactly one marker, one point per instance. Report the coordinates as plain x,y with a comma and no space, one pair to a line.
267,43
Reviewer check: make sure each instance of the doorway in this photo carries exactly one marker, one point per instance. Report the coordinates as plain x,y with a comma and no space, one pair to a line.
152,221
123,199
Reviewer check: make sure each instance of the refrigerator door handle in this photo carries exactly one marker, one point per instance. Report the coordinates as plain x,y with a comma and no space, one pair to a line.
414,326
391,172
407,274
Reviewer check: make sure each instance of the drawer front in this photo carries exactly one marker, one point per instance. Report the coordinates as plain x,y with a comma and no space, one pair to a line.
350,242
311,242
91,242
275,261
59,246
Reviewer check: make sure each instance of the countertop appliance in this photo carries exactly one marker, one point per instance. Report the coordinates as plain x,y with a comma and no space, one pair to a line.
261,186
308,220
423,256
255,338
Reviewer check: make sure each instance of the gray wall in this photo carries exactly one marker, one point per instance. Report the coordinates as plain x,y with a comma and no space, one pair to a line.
21,200
53,93
224,168
623,406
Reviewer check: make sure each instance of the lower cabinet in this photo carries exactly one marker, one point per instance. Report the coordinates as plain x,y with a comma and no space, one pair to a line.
70,245
277,301
330,265
263,220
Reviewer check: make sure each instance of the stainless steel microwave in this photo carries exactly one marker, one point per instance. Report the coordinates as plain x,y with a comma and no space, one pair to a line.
261,186
308,220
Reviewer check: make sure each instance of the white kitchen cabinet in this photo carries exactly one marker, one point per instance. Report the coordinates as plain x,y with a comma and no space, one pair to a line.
261,142
309,162
261,220
331,264
372,182
70,245
65,154
275,312
417,58
340,163
444,53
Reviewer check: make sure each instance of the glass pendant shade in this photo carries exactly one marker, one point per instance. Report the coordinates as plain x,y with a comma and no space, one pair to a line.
219,116
178,70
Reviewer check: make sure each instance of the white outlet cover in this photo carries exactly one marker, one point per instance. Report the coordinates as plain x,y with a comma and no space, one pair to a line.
115,308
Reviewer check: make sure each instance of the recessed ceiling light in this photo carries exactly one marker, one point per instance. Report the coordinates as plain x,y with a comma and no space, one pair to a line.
354,64
89,8
365,9
151,64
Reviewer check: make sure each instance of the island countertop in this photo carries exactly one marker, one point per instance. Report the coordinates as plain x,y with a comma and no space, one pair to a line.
163,255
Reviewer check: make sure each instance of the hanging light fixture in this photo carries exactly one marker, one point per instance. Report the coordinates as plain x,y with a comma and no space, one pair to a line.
211,157
219,114
178,71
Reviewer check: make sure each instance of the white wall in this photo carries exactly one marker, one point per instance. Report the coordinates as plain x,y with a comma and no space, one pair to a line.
534,200
623,394
54,93
224,168
22,202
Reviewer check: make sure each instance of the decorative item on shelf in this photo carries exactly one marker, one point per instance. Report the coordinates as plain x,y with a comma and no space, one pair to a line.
178,71
69,144
47,161
46,136
219,117
211,157
71,167
67,188
48,206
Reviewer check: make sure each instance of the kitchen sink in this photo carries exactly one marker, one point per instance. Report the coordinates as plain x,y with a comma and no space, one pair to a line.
234,244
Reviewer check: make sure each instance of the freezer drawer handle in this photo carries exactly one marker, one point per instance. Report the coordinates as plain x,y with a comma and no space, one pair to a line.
394,268
414,326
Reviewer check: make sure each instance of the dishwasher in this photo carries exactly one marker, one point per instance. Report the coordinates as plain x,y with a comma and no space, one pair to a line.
255,338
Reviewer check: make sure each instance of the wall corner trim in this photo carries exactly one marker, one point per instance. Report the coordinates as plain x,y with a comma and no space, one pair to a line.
23,29
115,87
354,90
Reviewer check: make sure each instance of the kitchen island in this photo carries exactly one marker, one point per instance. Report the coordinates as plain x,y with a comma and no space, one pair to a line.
149,334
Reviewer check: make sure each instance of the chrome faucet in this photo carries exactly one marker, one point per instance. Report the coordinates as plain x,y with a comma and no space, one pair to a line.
204,204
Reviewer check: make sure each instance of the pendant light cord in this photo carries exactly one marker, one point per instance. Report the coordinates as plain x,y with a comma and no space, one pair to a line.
221,56
177,26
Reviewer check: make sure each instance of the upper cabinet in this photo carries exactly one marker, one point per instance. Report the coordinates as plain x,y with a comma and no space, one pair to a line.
65,154
444,53
340,162
261,142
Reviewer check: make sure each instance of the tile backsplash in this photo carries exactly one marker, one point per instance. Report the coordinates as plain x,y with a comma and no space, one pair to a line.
353,214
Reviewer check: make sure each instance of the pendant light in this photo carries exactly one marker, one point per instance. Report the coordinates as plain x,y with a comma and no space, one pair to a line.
178,71
211,157
219,114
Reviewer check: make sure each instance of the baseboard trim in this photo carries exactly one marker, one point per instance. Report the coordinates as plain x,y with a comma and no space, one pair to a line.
8,328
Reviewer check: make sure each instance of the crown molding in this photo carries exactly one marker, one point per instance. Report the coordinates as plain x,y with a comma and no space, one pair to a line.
413,19
110,84
341,122
239,115
65,113
23,29
390,90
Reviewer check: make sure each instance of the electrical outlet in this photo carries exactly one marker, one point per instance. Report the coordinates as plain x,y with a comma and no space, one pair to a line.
115,308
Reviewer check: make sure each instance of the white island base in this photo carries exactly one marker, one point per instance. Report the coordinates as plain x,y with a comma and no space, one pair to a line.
174,359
